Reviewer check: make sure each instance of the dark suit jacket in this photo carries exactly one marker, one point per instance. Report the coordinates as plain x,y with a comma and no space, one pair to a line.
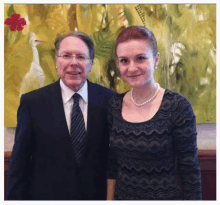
43,166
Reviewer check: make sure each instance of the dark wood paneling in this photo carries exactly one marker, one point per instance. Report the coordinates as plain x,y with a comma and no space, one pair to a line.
7,157
207,159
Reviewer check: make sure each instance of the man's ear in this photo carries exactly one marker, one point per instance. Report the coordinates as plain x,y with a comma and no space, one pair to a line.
91,65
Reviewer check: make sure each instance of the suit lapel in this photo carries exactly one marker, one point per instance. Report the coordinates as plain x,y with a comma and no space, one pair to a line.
57,107
59,114
59,118
91,123
92,108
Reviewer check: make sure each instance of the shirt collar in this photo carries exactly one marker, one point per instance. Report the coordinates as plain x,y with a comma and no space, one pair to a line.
67,93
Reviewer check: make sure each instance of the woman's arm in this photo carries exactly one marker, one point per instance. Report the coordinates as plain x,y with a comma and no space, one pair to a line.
110,189
112,158
185,146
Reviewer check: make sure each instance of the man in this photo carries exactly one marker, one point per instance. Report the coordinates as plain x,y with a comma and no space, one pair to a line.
61,140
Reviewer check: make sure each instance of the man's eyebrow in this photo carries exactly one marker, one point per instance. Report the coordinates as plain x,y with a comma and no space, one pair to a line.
66,52
71,52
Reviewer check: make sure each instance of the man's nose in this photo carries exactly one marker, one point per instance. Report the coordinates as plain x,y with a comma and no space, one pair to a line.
74,60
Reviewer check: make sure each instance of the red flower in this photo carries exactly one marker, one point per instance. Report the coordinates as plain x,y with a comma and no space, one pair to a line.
15,22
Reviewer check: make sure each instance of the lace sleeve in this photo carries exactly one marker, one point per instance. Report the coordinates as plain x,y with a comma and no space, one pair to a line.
185,146
112,159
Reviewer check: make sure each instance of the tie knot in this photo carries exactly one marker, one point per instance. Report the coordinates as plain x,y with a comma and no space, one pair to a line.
76,98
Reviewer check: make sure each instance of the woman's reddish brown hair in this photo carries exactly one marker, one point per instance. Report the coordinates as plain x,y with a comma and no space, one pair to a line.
137,33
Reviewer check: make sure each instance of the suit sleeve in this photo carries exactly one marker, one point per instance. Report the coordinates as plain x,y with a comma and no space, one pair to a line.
20,165
112,159
185,146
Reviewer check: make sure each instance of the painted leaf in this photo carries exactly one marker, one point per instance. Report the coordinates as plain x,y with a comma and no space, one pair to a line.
14,72
132,14
89,17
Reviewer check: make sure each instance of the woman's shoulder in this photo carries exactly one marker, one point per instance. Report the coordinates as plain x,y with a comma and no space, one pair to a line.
175,97
116,98
177,102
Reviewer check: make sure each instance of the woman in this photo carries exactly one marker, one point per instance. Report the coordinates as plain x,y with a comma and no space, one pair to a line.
152,130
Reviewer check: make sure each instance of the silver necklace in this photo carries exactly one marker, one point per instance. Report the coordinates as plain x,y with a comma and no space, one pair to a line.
144,103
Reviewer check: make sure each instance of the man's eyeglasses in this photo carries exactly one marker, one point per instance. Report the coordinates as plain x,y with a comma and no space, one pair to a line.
79,57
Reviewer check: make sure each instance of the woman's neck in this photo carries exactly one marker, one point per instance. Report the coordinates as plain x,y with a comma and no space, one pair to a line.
144,93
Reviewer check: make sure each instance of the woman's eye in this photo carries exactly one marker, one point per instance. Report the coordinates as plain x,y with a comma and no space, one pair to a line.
123,60
141,58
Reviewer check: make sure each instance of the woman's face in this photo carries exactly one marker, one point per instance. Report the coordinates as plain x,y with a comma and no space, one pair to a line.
136,62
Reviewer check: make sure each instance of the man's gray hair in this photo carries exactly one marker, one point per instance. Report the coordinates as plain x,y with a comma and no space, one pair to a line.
84,37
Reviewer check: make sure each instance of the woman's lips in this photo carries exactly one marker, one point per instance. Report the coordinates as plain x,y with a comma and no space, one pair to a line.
133,76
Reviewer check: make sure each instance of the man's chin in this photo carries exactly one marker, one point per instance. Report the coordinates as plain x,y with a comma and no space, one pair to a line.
75,84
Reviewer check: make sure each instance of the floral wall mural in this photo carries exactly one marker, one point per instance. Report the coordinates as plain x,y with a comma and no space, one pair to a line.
186,37
15,22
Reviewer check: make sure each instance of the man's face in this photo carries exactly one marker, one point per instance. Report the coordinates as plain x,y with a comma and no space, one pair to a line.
73,62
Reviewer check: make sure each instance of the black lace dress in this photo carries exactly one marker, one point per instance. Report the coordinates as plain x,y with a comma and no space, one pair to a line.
148,159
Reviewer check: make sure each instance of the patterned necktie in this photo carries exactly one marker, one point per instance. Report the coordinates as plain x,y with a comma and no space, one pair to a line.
77,128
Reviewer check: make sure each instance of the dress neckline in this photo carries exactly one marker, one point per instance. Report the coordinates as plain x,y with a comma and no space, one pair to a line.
121,101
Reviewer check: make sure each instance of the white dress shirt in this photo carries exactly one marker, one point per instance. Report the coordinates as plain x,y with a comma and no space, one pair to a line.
67,94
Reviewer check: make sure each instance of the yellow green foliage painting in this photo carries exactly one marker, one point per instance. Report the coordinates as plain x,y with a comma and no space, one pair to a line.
186,35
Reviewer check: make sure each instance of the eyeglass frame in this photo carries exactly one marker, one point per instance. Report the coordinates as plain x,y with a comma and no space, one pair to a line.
71,57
